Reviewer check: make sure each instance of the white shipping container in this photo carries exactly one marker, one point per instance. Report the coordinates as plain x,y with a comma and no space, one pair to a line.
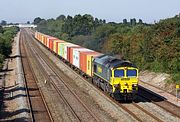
76,55
65,49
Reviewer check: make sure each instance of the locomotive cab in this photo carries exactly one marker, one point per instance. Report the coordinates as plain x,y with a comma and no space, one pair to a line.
116,76
125,79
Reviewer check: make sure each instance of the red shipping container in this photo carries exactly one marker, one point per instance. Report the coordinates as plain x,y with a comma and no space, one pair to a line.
51,45
49,42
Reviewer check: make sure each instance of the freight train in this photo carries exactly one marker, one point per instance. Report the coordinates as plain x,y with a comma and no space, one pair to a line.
119,78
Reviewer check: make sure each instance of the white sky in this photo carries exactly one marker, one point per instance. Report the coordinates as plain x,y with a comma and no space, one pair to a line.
111,10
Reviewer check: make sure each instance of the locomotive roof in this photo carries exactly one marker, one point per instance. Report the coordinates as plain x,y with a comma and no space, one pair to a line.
112,62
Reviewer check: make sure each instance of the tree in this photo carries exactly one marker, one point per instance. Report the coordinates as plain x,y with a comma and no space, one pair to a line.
124,21
1,29
37,20
28,22
1,60
104,21
61,17
140,21
133,21
3,22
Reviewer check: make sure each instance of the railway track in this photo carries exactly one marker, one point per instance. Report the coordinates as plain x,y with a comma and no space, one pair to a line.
139,113
37,106
128,109
78,108
159,101
136,111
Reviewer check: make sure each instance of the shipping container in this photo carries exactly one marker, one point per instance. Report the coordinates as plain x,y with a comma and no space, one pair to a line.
42,37
49,39
61,48
76,55
71,53
45,39
38,36
55,45
66,51
51,45
89,62
86,61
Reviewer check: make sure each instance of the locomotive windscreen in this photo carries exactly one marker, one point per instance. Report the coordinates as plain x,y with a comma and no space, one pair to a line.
131,73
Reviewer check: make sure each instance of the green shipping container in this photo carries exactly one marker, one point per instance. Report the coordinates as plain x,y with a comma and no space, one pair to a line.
61,49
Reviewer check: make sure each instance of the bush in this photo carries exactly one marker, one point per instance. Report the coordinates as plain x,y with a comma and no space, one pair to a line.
1,60
176,78
6,38
156,66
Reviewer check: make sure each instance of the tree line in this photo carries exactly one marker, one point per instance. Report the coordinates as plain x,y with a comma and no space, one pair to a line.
6,39
154,47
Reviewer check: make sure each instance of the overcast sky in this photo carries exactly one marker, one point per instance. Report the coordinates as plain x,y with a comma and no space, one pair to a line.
110,10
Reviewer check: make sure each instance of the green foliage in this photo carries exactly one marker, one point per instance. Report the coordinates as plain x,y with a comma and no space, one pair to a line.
37,20
61,17
156,66
176,77
1,60
79,25
6,38
3,22
153,47
1,29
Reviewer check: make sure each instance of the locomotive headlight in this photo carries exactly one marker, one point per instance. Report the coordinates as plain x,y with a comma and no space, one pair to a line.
125,84
134,85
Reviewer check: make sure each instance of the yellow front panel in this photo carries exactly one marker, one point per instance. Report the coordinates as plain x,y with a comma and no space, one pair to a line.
125,83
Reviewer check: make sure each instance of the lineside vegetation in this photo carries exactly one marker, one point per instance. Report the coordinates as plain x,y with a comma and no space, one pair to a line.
154,47
6,39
